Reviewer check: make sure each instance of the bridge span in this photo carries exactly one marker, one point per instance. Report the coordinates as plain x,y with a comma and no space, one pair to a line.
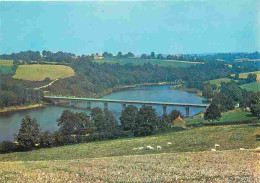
124,102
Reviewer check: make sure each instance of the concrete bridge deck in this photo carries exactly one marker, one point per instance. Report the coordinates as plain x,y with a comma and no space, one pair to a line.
124,102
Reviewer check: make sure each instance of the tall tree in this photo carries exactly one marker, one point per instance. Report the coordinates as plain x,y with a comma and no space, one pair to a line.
212,113
29,133
128,117
146,122
152,55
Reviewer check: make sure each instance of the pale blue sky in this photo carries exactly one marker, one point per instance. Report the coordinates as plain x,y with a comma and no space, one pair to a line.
191,26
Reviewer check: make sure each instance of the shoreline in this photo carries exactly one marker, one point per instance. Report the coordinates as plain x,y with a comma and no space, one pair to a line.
20,108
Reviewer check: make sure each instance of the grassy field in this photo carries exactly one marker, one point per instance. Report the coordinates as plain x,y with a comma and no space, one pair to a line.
6,62
174,63
234,115
188,159
244,75
224,166
6,66
254,87
40,72
218,81
191,140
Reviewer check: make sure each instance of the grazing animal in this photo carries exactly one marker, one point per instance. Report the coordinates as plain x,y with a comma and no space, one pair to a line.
242,149
149,147
159,147
213,150
140,148
169,143
134,149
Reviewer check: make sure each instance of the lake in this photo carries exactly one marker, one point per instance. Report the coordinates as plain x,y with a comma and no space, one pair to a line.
47,117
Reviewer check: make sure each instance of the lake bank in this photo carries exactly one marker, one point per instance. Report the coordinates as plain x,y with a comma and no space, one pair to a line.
20,108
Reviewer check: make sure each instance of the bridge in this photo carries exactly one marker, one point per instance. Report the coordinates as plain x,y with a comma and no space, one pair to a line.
124,102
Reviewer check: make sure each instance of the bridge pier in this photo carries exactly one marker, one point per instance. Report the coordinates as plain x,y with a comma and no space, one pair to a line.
164,110
187,112
124,106
88,105
105,106
56,102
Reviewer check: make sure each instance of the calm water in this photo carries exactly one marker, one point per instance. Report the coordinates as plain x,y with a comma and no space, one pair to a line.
10,123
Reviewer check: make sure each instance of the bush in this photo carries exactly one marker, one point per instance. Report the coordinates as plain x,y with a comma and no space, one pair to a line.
7,147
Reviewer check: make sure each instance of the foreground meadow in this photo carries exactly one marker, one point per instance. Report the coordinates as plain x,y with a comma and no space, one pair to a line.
192,140
221,166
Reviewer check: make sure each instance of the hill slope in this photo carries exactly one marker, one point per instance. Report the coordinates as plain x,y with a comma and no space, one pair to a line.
40,72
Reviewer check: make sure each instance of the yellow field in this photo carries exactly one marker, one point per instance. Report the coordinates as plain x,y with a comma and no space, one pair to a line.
244,75
6,62
40,72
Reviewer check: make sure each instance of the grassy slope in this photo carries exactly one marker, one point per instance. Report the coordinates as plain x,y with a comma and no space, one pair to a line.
6,66
254,87
192,140
218,81
40,72
152,61
234,115
224,166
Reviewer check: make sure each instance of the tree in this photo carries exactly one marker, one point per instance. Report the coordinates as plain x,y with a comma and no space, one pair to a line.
160,56
29,133
143,56
119,55
146,122
68,123
207,91
105,54
152,55
174,114
130,55
128,117
212,113
223,102
251,78
255,110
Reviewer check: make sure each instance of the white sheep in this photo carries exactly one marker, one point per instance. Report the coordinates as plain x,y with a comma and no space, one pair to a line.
159,147
217,145
242,149
169,143
150,147
140,148
213,150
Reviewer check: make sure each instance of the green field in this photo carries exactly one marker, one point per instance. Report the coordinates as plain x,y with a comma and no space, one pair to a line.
218,81
40,72
234,115
173,63
191,140
6,66
223,166
254,87
188,158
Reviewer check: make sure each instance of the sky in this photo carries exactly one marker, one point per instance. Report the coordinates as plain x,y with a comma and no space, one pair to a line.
168,27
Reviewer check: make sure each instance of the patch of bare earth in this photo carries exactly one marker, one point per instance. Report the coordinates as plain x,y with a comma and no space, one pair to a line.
222,166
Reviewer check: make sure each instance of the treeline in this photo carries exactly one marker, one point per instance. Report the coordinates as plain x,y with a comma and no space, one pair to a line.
14,93
93,78
100,125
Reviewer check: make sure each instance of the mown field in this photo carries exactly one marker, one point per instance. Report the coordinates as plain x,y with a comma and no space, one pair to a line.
254,87
224,166
191,140
189,158
6,66
40,72
218,81
244,75
173,63
234,115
